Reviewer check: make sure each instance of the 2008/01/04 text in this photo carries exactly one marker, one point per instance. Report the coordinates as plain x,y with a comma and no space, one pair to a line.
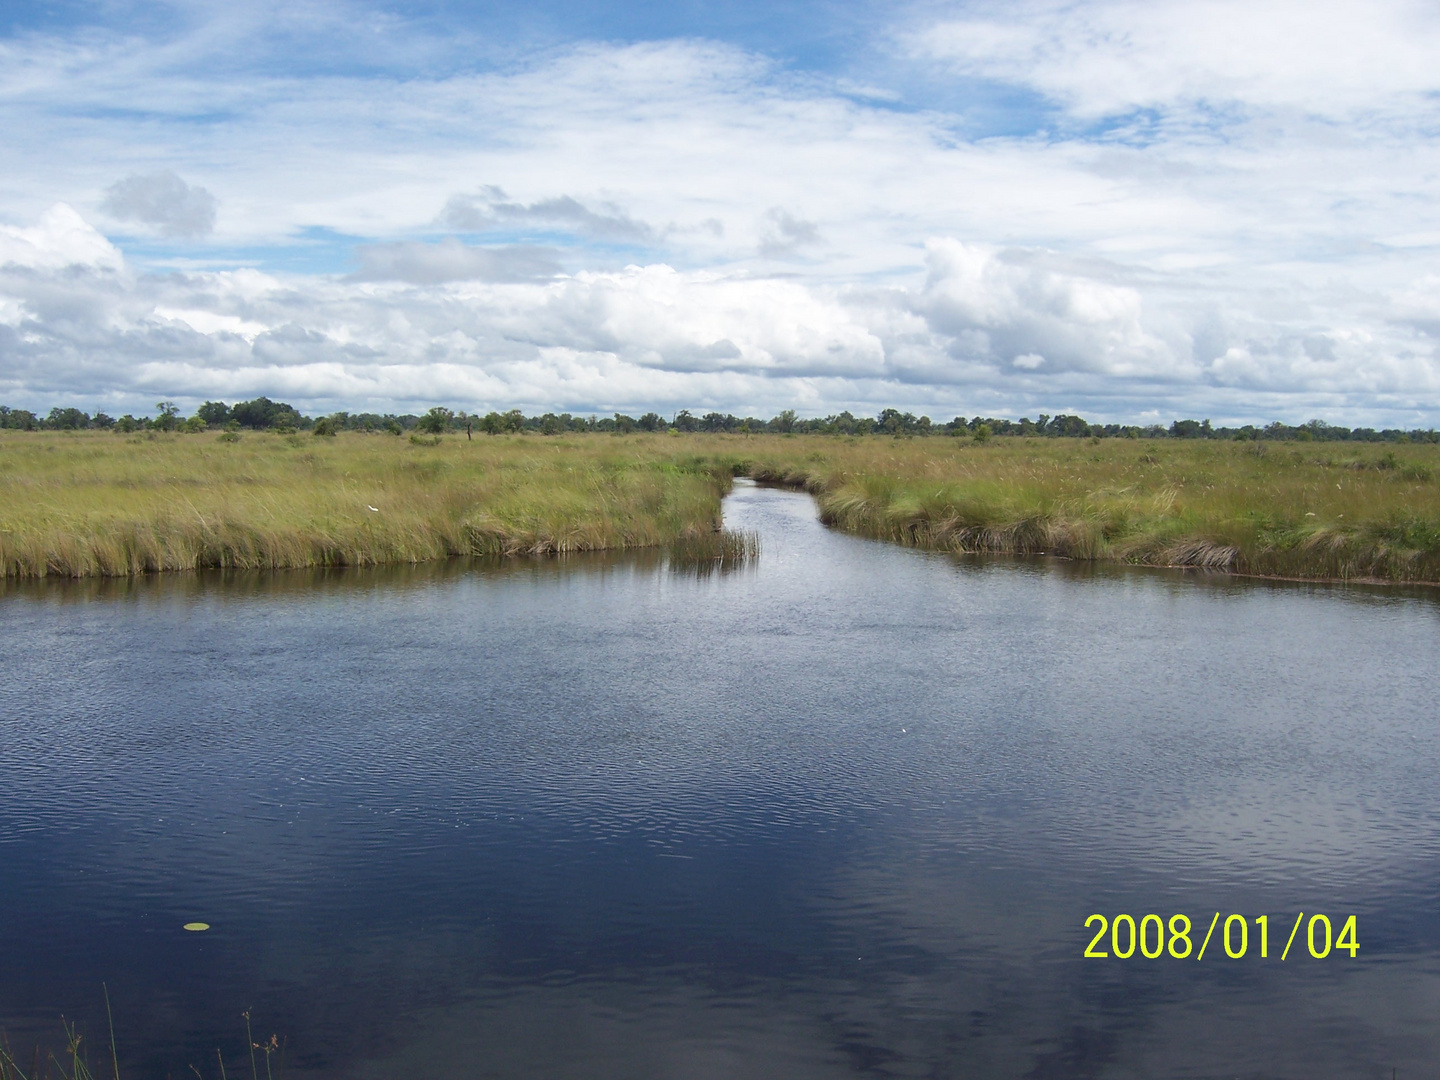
1153,937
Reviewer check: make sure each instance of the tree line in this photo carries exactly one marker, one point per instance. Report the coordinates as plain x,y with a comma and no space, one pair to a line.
262,414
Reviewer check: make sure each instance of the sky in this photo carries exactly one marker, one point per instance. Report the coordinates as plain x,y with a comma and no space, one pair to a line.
1133,211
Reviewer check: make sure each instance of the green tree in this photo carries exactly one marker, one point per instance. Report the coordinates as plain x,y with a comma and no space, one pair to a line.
436,421
67,419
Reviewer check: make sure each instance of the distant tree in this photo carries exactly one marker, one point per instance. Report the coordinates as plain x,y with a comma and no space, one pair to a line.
436,421
169,417
894,422
1070,426
514,421
685,422
126,424
785,422
101,421
214,413
651,422
624,424
263,413
67,419
324,427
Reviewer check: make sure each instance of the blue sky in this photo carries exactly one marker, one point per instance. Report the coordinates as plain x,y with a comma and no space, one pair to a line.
1128,210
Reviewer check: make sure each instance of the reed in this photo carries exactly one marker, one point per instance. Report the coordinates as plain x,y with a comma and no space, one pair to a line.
84,504
73,1062
1303,510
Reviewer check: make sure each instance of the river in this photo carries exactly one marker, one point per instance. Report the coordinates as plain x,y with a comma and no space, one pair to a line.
842,812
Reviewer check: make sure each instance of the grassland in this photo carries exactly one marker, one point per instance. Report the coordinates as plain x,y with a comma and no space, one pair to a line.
1293,509
80,504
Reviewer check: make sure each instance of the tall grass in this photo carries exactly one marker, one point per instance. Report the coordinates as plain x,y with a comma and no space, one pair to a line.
1318,510
95,504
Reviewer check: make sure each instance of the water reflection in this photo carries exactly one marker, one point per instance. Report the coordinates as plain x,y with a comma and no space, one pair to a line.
843,813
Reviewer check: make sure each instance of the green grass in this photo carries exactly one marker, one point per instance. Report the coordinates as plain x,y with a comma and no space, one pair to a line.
86,504
90,504
1309,510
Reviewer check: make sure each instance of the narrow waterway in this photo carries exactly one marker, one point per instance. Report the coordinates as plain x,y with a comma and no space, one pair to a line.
842,812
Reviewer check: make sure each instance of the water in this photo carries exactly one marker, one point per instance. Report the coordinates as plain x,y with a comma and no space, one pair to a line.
843,813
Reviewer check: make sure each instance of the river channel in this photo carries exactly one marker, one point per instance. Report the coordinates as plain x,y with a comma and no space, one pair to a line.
841,812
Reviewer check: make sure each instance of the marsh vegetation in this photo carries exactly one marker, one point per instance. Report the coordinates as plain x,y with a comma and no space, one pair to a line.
97,503
1293,509
80,504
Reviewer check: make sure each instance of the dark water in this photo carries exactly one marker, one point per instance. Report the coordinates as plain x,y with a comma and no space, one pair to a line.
844,813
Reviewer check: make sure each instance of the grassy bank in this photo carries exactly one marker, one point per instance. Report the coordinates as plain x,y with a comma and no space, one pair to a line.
93,503
81,504
1307,510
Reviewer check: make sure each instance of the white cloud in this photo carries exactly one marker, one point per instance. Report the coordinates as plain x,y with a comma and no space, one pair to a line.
60,239
1333,58
987,325
1025,309
1232,250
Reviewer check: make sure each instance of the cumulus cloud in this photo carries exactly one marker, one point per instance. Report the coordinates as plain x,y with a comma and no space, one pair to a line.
60,239
164,202
986,325
1028,310
492,209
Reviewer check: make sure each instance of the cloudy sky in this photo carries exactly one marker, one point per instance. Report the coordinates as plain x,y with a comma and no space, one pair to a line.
1128,210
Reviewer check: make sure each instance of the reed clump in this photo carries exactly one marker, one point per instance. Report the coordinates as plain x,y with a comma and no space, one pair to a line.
1336,511
714,550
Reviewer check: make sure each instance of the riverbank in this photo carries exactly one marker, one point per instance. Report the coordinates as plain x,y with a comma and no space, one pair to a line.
93,503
